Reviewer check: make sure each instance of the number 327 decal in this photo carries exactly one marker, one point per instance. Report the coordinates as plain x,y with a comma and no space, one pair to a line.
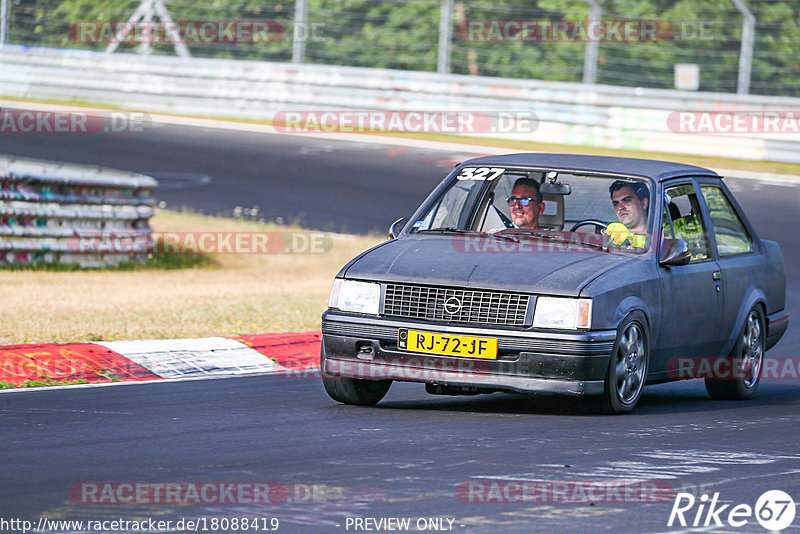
480,173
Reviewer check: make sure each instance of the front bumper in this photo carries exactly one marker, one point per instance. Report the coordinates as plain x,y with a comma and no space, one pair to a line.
572,363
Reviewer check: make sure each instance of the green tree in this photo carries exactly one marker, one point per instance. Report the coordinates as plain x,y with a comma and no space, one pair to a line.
403,34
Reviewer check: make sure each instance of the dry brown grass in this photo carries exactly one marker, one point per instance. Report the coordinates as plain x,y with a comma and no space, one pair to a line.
235,294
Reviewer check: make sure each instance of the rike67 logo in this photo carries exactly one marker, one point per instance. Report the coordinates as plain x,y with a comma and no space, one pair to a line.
774,510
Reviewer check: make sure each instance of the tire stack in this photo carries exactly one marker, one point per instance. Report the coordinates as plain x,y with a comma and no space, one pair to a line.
58,213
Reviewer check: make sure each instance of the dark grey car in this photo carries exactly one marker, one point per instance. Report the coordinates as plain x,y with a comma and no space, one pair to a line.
467,301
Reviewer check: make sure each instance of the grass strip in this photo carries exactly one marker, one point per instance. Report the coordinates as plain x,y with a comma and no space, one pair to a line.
175,296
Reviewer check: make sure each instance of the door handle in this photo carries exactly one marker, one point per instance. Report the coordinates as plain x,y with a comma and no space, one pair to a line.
716,275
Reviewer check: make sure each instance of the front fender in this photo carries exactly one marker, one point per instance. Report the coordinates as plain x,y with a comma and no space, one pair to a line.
629,304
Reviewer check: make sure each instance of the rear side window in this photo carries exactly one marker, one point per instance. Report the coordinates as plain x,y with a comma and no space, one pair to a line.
682,220
729,231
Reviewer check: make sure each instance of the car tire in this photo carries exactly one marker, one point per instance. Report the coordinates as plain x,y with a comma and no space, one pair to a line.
627,368
745,362
355,391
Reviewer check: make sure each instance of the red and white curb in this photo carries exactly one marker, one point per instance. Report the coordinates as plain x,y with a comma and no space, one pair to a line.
126,361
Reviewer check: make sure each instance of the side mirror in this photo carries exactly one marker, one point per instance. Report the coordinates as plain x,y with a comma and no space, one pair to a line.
396,227
674,252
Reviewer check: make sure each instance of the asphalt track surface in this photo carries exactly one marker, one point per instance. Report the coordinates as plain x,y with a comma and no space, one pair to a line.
320,183
408,456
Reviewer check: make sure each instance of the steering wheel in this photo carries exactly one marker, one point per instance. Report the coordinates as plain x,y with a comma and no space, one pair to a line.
597,223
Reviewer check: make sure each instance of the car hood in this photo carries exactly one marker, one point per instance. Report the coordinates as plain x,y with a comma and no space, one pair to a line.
486,263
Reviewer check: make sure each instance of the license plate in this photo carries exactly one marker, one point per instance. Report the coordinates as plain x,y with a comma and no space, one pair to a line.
447,344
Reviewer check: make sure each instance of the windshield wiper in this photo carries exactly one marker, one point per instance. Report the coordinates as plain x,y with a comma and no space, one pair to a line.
445,230
563,239
451,230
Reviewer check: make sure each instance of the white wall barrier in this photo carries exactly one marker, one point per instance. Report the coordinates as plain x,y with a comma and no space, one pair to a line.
52,212
569,113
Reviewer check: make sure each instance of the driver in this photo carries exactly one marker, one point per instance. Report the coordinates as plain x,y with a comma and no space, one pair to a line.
525,203
630,200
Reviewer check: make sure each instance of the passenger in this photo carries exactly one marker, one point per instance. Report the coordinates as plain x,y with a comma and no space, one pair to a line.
525,203
630,200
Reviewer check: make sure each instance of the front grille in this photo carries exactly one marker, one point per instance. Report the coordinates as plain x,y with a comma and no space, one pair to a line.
455,305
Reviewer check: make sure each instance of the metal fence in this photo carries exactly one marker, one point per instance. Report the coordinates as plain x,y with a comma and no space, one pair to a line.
93,217
744,46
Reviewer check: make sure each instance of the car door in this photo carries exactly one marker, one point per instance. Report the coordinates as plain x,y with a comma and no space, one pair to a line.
735,250
692,302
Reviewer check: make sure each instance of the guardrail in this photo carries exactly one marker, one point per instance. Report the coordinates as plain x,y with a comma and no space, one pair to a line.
569,113
90,216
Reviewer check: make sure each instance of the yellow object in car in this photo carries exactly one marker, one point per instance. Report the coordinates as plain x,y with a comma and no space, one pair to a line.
619,234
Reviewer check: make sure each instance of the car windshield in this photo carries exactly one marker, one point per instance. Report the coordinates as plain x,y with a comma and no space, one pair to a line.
589,211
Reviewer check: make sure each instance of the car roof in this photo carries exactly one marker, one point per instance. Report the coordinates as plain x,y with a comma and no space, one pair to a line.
645,168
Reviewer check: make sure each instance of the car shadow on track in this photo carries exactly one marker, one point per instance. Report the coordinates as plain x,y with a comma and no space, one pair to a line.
682,397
